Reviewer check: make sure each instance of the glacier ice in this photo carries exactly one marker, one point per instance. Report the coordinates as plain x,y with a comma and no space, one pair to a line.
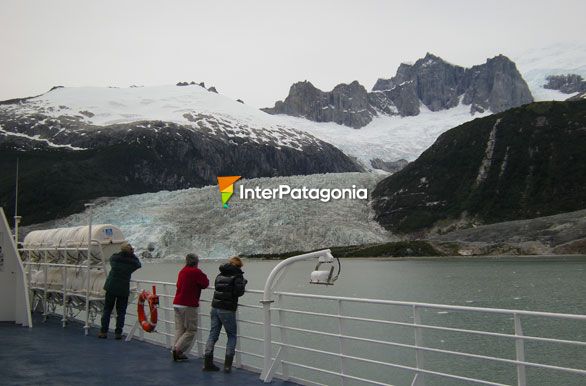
193,220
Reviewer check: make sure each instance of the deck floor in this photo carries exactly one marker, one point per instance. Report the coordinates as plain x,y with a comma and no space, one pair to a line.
48,354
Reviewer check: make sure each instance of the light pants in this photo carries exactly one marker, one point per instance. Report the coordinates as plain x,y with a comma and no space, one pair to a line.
185,328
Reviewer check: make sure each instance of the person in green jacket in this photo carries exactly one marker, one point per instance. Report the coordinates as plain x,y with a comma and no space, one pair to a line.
117,287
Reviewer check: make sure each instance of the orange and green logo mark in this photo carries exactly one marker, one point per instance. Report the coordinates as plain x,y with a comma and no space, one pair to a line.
226,185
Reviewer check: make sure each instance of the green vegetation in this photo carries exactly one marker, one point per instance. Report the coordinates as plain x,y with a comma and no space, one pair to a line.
68,179
537,168
392,249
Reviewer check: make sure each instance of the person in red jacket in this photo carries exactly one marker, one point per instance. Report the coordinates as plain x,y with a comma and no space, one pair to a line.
190,281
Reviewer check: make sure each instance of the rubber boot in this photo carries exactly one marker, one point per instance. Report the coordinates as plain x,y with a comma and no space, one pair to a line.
208,363
228,363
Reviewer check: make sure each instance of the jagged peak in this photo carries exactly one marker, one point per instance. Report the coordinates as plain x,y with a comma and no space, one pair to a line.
308,85
352,85
499,58
302,84
429,55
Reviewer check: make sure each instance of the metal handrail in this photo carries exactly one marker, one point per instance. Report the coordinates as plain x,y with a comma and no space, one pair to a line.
438,328
419,370
436,306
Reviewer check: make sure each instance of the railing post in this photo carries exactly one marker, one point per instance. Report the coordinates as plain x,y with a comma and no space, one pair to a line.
87,294
238,353
341,342
168,304
64,319
198,337
284,338
272,280
419,379
266,305
520,351
45,286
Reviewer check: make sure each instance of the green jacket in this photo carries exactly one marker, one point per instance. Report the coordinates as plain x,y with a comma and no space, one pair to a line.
118,281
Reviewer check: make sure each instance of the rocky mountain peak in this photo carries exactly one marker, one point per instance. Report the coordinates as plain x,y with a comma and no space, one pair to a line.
346,104
430,59
431,81
495,85
568,84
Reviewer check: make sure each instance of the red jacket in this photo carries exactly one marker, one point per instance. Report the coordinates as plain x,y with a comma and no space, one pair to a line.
190,282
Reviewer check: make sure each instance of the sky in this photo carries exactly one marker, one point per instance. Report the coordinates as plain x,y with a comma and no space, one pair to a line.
256,49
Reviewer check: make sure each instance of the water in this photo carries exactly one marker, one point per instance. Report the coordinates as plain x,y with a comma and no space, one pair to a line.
537,284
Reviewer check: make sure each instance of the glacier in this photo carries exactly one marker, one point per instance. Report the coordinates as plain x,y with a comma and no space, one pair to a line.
193,220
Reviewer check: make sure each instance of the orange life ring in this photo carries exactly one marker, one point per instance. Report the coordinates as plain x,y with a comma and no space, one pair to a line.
153,300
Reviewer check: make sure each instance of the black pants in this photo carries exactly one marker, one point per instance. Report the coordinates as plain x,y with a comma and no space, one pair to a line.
121,303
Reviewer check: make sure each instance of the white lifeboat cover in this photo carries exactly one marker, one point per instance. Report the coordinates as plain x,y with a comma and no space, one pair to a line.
75,236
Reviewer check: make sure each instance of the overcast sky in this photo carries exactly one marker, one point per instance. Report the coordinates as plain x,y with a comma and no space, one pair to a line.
255,50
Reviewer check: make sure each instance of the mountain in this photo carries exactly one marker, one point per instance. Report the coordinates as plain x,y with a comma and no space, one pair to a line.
578,97
493,86
537,64
523,163
170,223
390,138
77,144
568,84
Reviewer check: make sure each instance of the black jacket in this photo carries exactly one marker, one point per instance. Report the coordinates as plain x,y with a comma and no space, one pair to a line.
118,280
229,286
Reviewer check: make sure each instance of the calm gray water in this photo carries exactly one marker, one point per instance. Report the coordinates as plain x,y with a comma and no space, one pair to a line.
537,284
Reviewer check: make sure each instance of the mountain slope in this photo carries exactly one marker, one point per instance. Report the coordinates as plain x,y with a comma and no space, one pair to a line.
391,138
523,163
82,143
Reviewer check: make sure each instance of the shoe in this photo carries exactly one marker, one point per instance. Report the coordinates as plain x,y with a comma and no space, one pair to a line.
118,336
228,363
182,358
103,335
209,363
175,357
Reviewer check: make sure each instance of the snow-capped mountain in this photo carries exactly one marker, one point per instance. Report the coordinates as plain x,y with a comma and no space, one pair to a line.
77,144
71,140
431,81
389,138
559,59
56,116
174,223
394,137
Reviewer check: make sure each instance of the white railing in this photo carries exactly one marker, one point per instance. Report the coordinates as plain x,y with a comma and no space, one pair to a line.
336,340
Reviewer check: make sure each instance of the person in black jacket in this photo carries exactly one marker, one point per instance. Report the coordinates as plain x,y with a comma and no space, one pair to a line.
229,286
117,287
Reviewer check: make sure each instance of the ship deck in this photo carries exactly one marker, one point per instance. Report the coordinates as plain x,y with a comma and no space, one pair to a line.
48,354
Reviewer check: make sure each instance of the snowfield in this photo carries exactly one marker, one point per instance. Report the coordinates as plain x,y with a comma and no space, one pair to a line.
190,106
558,59
387,138
193,220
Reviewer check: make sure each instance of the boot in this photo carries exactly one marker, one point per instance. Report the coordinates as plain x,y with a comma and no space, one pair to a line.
228,363
208,363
